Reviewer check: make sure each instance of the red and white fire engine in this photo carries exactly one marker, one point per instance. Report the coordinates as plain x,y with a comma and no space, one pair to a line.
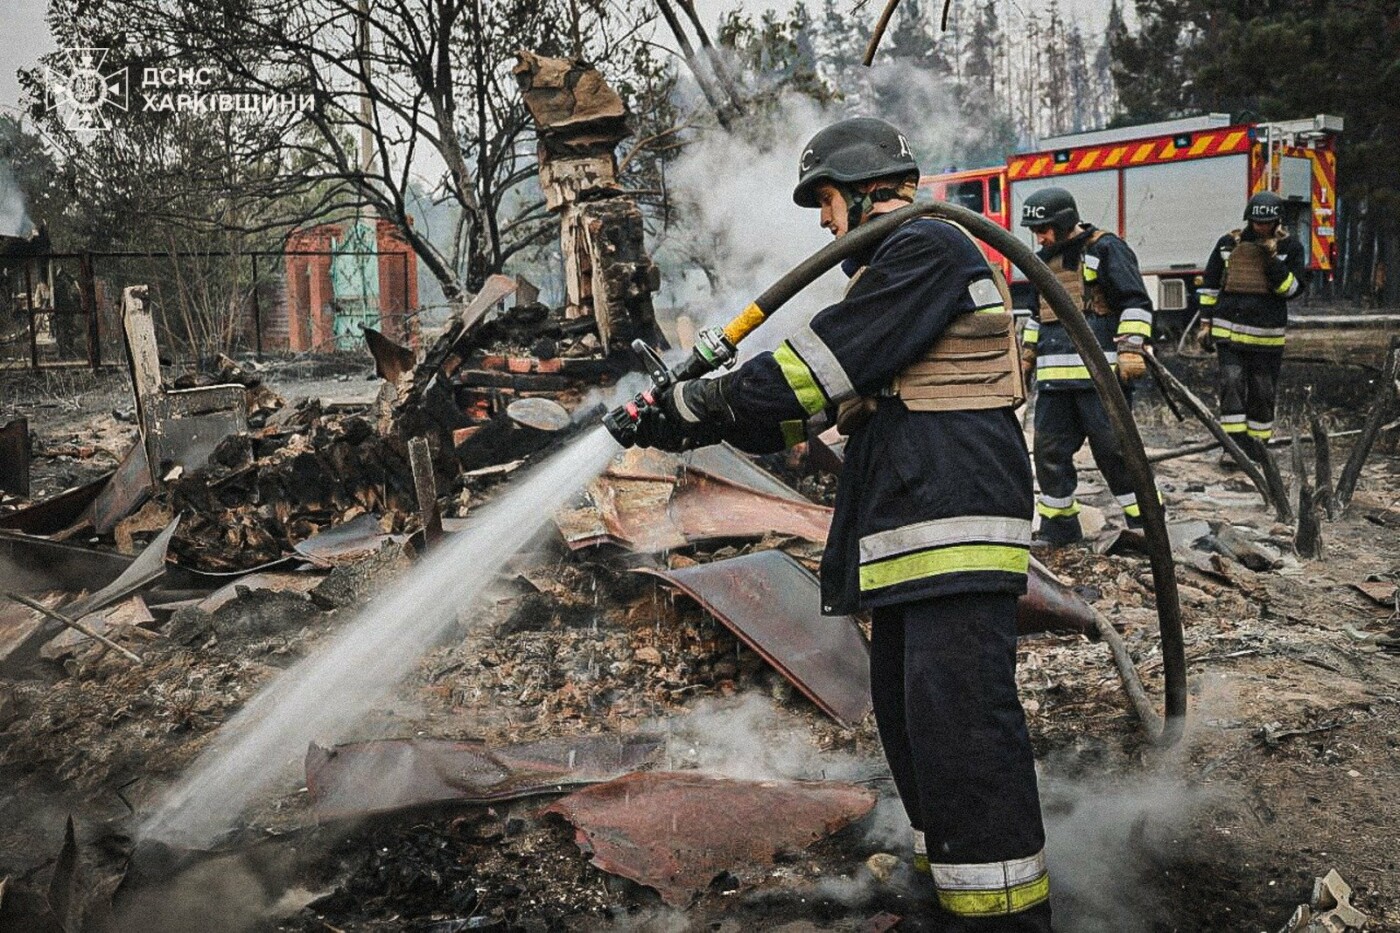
1170,190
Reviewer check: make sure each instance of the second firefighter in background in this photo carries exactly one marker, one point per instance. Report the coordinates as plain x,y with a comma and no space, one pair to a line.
1250,277
1100,273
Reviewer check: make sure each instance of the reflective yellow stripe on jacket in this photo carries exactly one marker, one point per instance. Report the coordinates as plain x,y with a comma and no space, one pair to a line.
964,544
1062,366
1246,334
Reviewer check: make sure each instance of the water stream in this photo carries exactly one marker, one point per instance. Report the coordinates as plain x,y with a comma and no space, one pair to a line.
324,695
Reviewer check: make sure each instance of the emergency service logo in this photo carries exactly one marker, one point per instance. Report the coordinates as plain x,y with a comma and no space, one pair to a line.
83,93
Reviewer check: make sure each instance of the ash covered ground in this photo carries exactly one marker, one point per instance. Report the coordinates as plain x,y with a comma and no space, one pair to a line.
1287,769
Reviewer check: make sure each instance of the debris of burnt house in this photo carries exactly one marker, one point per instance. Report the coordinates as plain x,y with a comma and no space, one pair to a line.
580,119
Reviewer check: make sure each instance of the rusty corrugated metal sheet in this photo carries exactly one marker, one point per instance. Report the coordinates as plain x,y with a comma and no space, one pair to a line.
705,508
648,502
362,778
1050,606
675,831
346,543
58,512
15,453
774,605
147,566
125,491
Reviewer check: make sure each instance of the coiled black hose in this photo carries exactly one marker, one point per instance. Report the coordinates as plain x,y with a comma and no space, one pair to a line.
1105,382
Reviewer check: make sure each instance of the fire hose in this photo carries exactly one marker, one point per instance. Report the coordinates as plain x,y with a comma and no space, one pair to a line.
718,347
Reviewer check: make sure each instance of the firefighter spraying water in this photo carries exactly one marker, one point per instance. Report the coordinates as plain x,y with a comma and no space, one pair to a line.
918,365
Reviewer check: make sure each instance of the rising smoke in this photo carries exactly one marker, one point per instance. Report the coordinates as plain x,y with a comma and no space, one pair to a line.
14,219
751,738
735,190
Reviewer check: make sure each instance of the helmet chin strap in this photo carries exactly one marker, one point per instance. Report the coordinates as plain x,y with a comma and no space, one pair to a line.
859,205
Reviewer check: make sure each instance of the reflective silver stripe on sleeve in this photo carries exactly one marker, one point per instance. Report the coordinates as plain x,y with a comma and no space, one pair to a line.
1254,331
989,875
1213,292
1259,425
1069,359
984,294
941,532
1136,314
825,367
678,399
1128,498
1091,261
1058,359
1056,502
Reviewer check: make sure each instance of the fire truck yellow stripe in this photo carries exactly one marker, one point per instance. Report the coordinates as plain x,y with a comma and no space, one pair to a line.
1232,139
1143,152
1200,145
1089,159
1115,155
1039,165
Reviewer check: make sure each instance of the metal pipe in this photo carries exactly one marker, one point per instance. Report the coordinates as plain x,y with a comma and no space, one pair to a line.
1105,383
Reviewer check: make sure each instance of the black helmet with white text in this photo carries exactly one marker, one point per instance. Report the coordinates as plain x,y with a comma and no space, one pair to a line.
1050,207
1264,208
854,150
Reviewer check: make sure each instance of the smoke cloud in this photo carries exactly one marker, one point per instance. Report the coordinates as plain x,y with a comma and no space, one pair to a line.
14,219
749,737
740,222
1103,840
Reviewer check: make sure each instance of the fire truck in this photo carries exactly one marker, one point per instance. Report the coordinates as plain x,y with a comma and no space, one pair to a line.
1169,190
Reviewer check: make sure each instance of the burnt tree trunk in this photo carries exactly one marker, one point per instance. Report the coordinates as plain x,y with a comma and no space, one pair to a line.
1322,453
1381,405
1307,539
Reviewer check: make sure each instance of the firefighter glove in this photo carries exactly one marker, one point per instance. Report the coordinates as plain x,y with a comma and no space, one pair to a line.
656,429
1131,365
1027,366
698,402
689,414
1203,334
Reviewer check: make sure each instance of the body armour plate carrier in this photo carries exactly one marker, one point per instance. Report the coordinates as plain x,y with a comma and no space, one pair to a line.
1244,267
974,364
1086,296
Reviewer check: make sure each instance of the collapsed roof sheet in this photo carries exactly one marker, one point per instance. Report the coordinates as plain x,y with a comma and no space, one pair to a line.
773,604
646,501
361,778
676,831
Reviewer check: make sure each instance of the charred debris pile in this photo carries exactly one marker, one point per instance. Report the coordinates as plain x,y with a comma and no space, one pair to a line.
238,529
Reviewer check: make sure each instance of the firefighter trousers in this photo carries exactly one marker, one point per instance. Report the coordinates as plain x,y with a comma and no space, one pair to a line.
1248,390
943,681
1063,421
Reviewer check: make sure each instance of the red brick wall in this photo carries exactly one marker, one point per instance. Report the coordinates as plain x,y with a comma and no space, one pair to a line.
309,317
309,312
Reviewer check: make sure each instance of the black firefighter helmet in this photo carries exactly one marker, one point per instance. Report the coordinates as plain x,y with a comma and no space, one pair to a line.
1264,208
1050,207
854,150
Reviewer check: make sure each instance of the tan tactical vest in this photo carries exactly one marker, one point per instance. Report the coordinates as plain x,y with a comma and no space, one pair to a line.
1088,297
1244,268
973,365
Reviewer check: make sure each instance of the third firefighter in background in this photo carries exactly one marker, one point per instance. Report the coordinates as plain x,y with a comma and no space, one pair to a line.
1250,277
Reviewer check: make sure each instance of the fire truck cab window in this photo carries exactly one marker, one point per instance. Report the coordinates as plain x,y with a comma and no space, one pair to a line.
994,196
967,194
